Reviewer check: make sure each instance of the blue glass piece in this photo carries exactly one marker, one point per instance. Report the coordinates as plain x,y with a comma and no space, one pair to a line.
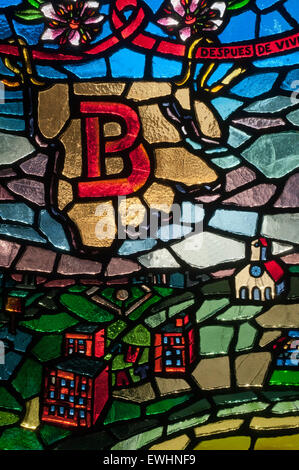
273,23
279,362
177,280
279,61
46,71
165,68
191,213
127,63
4,70
12,360
255,271
91,69
216,150
5,31
154,4
195,145
10,3
290,81
20,340
219,73
14,108
263,4
240,28
11,124
104,32
234,221
165,340
173,231
292,8
168,362
13,95
53,231
237,137
293,333
16,212
255,85
24,233
130,247
226,106
31,33
155,29
229,161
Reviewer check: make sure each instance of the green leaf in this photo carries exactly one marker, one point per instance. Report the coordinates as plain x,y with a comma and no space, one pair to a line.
237,4
29,15
34,3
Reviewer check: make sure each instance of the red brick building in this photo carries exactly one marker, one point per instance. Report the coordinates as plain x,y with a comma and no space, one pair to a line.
76,388
174,345
86,340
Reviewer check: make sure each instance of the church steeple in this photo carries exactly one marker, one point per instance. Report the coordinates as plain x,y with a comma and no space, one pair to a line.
259,249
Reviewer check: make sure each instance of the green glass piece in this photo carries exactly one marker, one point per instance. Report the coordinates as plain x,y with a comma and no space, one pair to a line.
51,434
251,407
191,410
215,339
29,378
109,294
228,399
143,307
77,288
122,411
281,395
294,269
167,404
113,379
286,407
156,319
135,378
163,291
285,377
8,401
174,301
136,293
175,309
86,309
144,357
7,418
221,287
140,440
19,439
210,307
48,347
240,312
29,301
19,293
246,337
50,323
119,363
139,336
187,423
115,329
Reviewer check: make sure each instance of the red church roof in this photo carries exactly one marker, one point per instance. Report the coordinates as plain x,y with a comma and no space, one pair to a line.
263,241
274,269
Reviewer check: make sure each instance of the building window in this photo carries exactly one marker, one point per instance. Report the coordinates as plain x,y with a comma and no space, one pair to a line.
72,384
72,399
82,414
52,394
165,340
52,409
61,410
178,340
63,383
71,412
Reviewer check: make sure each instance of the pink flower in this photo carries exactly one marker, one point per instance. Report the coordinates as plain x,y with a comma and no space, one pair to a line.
188,17
71,21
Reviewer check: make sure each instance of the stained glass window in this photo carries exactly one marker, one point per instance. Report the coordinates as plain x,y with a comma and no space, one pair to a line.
149,225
